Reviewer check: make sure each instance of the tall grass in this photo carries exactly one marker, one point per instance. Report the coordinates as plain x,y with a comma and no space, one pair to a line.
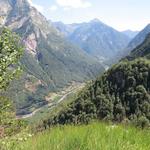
96,136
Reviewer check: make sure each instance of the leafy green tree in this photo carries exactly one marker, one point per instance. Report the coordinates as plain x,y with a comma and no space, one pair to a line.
10,52
7,117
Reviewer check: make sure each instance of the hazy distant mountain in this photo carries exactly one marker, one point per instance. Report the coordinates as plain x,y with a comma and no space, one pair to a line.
96,38
139,38
131,34
50,61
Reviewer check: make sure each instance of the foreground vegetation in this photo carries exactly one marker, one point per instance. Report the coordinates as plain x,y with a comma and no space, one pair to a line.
11,51
95,136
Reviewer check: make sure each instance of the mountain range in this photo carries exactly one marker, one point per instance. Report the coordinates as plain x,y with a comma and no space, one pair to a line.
96,38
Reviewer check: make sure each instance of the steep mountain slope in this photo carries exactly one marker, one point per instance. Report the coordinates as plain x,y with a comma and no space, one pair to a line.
143,50
131,34
96,38
50,61
137,40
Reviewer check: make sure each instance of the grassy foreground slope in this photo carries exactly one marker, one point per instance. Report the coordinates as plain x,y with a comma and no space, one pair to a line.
96,136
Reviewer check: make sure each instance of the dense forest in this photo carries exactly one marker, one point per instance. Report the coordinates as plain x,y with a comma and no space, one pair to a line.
121,94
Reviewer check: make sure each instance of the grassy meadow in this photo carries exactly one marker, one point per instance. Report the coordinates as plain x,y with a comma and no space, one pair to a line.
95,136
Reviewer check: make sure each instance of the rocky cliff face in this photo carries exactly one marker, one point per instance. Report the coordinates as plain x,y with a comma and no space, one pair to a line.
19,14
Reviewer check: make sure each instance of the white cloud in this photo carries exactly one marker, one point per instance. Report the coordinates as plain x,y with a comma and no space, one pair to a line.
67,8
74,3
30,1
53,8
38,7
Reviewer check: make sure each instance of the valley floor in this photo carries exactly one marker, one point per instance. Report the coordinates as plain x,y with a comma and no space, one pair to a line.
96,136
53,100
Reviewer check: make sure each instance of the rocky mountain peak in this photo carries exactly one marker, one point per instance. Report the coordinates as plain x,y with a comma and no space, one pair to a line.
24,19
97,22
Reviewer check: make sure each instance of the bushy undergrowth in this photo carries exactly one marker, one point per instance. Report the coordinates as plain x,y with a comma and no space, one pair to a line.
10,142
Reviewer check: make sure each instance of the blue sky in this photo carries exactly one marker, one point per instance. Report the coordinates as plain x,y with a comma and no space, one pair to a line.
120,14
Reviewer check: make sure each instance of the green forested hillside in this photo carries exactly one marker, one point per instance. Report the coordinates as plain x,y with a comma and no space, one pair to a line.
121,94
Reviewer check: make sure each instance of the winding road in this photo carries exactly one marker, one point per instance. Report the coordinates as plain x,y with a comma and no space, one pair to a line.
51,105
